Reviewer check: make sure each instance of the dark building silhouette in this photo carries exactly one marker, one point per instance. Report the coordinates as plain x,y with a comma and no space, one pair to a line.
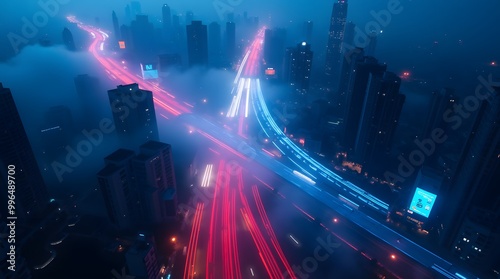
230,39
126,36
166,18
139,189
133,113
142,259
197,43
68,39
366,71
274,49
15,150
142,35
214,43
298,63
475,182
118,188
334,46
116,28
177,34
346,82
381,111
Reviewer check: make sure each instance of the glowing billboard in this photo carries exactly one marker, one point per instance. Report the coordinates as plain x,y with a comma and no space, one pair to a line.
121,44
270,72
149,71
422,202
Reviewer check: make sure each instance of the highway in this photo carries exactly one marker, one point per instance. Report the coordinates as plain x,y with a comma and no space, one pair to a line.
295,166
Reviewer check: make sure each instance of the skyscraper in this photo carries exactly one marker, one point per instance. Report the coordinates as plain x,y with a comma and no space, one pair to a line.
154,172
372,45
214,43
274,49
68,39
298,63
116,28
133,113
230,45
334,46
189,17
349,33
366,71
381,110
475,182
16,154
117,186
142,32
197,43
166,18
346,82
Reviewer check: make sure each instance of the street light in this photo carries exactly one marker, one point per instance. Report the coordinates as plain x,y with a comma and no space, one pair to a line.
173,239
393,256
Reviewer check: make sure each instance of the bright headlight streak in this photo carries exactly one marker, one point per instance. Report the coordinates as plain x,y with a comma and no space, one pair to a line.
242,65
304,177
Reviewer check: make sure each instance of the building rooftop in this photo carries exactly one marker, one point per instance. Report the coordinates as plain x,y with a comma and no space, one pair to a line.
119,156
154,145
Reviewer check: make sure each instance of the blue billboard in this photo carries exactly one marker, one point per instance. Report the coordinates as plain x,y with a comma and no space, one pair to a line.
422,202
149,71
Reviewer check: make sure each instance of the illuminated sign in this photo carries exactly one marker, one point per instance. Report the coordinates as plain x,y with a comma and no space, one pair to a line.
149,71
270,72
121,44
422,202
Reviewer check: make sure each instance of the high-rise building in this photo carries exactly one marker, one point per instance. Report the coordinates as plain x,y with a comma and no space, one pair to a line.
142,260
274,49
142,32
133,113
135,7
197,43
381,110
68,39
154,173
214,43
441,101
230,38
298,63
116,28
346,82
166,18
17,155
475,182
117,185
126,36
367,70
334,47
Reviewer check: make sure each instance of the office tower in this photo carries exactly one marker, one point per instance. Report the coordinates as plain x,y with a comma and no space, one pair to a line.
168,61
133,113
142,260
117,186
189,17
347,43
372,44
298,63
441,101
68,39
334,47
154,173
346,82
16,153
214,43
128,13
379,120
308,30
197,43
475,181
142,32
166,18
365,72
116,27
230,45
274,49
